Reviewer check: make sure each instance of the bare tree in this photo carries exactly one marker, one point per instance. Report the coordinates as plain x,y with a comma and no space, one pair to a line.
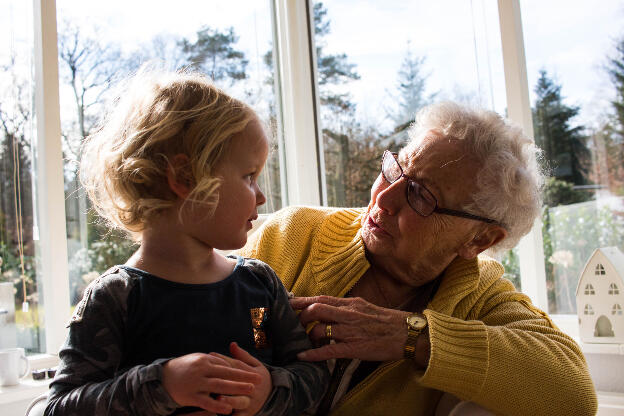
89,67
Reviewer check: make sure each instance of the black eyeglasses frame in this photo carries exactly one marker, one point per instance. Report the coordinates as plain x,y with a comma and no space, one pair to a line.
436,208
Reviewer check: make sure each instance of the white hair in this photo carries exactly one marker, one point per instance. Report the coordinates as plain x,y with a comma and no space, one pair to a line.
509,183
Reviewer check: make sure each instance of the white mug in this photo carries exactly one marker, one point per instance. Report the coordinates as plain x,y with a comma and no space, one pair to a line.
13,366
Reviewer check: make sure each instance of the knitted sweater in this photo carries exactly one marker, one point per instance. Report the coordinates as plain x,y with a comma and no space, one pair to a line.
489,344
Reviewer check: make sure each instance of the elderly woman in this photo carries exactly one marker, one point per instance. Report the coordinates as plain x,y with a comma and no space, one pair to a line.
399,287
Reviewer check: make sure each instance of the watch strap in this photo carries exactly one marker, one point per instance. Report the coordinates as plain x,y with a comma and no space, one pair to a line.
409,350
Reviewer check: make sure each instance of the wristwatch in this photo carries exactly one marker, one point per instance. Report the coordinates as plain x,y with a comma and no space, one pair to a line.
416,324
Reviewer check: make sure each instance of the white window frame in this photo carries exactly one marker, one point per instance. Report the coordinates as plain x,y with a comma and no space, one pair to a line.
53,272
294,44
303,157
531,246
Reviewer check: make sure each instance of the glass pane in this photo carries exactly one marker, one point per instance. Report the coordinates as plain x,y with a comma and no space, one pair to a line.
20,315
101,43
575,64
372,82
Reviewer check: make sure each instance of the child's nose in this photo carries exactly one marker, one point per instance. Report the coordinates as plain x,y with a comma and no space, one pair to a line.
260,198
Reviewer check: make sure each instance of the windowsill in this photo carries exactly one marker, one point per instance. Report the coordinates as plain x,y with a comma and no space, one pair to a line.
617,349
40,361
610,403
28,389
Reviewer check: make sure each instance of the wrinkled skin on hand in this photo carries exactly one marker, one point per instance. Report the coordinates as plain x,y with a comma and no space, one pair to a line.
359,328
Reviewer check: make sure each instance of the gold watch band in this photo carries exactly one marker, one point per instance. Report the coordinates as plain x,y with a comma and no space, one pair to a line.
416,324
409,350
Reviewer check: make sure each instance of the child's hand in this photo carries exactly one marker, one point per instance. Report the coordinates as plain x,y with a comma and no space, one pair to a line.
245,361
192,378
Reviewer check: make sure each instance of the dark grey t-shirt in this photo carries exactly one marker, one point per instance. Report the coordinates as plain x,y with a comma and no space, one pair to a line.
130,321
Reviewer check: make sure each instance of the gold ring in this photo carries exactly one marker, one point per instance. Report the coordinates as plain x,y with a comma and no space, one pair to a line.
328,333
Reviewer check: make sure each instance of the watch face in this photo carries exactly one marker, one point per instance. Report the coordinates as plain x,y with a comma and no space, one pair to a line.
417,321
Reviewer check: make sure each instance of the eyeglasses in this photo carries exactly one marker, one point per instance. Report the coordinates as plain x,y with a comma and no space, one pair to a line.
418,197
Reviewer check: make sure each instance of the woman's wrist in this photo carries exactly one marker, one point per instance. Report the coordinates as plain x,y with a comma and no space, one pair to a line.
423,349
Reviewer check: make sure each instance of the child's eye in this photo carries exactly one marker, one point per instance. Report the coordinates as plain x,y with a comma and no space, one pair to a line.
250,176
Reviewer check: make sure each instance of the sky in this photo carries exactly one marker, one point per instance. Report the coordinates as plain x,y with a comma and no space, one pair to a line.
461,42
459,39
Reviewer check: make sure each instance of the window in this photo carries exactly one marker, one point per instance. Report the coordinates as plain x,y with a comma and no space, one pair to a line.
588,310
589,289
616,310
99,45
20,310
580,133
361,114
372,82
613,289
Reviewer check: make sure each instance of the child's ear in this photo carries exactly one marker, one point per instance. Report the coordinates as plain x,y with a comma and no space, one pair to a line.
179,175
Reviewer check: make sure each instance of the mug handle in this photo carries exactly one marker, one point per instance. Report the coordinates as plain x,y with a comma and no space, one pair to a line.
26,366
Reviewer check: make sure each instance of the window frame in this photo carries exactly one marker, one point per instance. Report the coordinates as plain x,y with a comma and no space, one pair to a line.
297,124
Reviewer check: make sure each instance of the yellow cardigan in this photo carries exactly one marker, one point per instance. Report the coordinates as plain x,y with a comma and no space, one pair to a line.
489,344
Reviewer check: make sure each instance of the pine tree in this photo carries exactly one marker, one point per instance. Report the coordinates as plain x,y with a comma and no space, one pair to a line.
616,73
564,145
213,53
411,90
332,69
337,111
611,137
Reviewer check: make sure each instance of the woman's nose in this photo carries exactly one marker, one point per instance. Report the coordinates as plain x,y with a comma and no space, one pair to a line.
391,197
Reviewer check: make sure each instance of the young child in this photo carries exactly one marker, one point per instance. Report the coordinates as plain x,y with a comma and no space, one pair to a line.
179,327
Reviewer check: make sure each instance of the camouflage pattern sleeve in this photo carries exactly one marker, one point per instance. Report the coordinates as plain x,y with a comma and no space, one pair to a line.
89,380
298,386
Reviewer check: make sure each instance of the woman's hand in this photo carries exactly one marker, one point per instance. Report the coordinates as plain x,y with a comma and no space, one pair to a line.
359,328
191,379
244,361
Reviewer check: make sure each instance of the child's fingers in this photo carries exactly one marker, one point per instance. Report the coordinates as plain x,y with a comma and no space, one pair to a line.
242,355
233,362
237,402
229,360
219,359
212,406
233,374
218,386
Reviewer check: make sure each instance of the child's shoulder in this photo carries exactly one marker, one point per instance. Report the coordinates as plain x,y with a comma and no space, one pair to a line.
111,287
117,278
261,270
255,266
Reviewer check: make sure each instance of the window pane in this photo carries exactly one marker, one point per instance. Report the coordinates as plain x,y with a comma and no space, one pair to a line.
378,64
20,316
575,54
101,43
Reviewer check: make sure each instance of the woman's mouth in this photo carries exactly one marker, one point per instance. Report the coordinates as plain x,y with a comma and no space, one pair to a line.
376,228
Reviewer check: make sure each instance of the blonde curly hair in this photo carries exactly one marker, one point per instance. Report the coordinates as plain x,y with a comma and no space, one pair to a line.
159,115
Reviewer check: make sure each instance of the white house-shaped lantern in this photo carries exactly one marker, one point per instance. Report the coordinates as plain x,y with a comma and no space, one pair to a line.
600,297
